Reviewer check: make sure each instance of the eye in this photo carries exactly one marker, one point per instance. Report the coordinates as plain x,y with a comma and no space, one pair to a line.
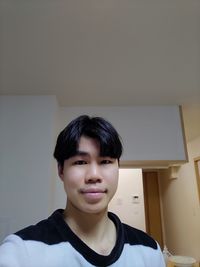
79,162
106,161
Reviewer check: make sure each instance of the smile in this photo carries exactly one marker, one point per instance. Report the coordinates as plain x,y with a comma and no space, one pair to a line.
93,191
93,194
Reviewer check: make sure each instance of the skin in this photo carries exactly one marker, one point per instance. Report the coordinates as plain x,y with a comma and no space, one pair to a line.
90,182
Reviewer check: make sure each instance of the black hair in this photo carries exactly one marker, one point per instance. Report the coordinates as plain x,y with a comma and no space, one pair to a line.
93,127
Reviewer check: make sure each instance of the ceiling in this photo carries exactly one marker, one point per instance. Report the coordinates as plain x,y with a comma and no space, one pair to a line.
104,52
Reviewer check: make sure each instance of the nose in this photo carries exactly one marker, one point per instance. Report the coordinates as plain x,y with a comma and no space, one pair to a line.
93,174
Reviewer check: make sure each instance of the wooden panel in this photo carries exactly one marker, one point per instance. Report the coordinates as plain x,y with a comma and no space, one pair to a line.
197,170
152,206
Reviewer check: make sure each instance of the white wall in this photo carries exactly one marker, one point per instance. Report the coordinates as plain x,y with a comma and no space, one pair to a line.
123,203
27,137
148,132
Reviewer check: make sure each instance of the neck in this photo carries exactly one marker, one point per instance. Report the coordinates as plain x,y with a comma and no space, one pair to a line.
85,223
96,230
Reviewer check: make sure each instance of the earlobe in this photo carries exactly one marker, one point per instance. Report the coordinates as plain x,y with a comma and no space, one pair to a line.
60,171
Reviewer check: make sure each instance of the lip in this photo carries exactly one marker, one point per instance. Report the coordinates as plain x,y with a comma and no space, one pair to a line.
93,195
93,191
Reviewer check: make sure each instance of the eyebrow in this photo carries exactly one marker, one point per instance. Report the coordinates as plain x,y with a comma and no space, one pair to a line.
81,153
86,154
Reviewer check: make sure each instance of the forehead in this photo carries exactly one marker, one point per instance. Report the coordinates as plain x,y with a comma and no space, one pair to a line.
87,144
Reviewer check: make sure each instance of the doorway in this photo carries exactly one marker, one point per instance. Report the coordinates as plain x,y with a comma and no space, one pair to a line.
128,202
152,206
137,201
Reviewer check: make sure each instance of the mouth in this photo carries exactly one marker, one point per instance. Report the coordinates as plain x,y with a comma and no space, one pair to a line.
93,191
93,194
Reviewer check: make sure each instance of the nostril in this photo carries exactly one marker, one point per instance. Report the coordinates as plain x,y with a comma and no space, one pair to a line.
94,180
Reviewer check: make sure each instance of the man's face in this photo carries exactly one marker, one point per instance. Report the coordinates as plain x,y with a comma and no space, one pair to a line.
90,181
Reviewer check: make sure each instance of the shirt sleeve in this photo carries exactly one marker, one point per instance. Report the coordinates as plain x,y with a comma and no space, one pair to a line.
160,257
13,252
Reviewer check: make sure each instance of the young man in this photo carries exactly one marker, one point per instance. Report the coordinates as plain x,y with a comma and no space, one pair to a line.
88,151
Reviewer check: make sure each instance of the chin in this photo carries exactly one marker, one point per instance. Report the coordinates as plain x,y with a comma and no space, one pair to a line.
95,211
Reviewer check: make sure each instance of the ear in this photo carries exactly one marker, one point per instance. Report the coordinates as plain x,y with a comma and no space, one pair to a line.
60,171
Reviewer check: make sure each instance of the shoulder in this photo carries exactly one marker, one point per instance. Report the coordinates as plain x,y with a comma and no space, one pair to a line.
35,232
45,231
131,235
135,236
16,249
13,252
137,246
143,246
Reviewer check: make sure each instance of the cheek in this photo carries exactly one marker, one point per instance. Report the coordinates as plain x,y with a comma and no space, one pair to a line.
71,179
116,173
113,178
113,184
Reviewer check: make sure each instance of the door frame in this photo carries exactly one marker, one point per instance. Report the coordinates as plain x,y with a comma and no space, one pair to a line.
149,207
